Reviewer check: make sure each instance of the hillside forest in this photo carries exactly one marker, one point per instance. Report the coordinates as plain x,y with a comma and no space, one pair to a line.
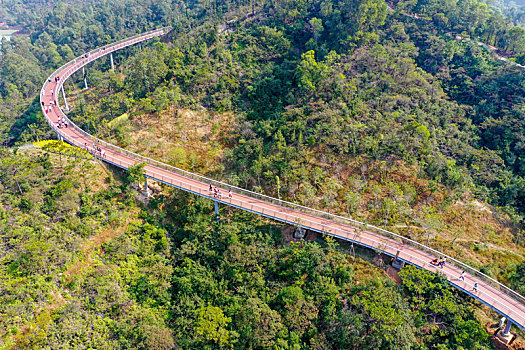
386,112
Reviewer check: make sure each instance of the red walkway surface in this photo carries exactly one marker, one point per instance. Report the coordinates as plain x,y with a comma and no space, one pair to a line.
490,292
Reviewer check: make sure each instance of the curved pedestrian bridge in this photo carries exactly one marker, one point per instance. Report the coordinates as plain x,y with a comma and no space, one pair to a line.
490,292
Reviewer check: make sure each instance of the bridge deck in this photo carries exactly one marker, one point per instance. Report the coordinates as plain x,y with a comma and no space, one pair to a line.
496,296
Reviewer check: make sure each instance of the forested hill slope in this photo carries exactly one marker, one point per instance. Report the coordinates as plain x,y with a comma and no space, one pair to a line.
347,106
484,93
385,119
381,119
318,84
84,265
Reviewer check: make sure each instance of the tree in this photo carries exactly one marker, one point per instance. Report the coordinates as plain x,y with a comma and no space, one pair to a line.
515,39
135,173
430,292
390,323
311,73
259,326
147,70
210,326
317,29
517,278
298,313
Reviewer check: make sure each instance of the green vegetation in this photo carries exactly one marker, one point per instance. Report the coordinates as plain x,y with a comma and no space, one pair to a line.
83,265
382,114
305,75
353,126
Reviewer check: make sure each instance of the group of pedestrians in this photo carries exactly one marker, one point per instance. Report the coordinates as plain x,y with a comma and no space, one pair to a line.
85,58
216,192
440,262
96,150
47,109
57,78
61,122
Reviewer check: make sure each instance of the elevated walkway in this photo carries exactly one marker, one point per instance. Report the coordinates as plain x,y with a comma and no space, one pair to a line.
490,292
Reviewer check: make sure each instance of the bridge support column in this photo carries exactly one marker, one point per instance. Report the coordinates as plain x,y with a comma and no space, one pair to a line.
504,335
299,233
140,46
217,217
501,322
397,263
85,79
66,107
507,328
112,62
146,189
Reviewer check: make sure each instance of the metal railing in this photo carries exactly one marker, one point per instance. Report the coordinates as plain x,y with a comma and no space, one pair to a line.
387,245
106,49
68,69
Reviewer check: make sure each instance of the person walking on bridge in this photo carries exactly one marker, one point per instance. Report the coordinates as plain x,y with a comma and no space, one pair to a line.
443,262
462,276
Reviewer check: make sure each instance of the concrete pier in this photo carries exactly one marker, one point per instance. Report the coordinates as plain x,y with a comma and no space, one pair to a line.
146,189
112,62
504,335
85,79
66,107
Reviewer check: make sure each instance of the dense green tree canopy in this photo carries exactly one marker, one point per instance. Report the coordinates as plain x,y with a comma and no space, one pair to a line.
327,97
